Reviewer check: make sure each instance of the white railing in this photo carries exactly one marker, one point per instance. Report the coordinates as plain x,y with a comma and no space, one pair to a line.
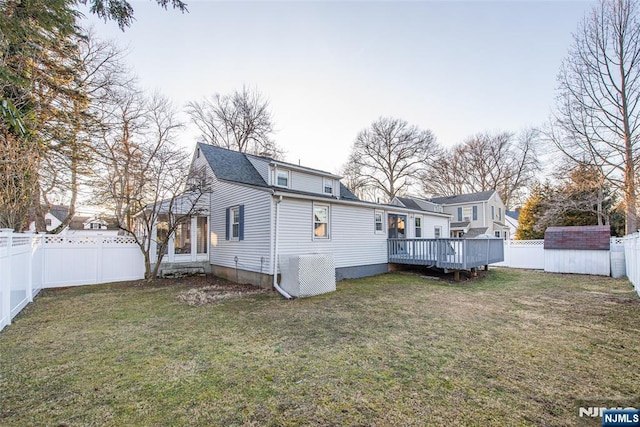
29,263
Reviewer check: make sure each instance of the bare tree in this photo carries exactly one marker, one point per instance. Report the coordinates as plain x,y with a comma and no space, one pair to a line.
598,117
71,156
240,121
389,155
144,178
503,161
353,179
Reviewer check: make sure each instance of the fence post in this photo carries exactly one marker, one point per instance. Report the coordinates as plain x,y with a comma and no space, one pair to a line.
30,270
99,258
5,278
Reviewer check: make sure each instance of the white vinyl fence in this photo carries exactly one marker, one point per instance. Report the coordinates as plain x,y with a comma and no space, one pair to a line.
631,255
29,263
523,254
531,254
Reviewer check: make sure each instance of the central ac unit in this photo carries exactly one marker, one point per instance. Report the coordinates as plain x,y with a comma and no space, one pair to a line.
308,275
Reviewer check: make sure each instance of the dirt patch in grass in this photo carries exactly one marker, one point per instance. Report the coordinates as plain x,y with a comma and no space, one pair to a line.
211,294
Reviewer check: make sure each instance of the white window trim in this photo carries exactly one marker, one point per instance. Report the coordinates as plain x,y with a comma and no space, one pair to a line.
437,227
326,182
416,227
375,229
232,215
313,221
283,171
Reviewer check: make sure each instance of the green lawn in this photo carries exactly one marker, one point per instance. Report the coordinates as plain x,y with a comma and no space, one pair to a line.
513,348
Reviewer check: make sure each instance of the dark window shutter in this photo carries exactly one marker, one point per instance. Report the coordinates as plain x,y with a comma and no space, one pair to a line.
241,224
226,223
475,213
459,214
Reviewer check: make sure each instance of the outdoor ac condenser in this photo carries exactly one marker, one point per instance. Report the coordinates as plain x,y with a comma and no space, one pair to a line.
308,275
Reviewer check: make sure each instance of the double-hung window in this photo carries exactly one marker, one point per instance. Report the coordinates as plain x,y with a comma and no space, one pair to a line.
320,221
418,226
437,231
475,213
378,222
328,186
282,178
234,223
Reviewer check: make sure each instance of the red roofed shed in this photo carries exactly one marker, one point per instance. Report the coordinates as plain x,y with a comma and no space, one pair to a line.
582,250
581,238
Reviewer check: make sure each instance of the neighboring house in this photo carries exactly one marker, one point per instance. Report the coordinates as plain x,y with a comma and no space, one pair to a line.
52,219
511,219
93,225
475,214
262,211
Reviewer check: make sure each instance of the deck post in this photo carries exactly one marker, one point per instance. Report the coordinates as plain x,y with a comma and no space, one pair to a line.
456,275
465,253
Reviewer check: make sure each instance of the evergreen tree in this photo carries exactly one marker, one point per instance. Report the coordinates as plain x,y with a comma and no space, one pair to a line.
533,208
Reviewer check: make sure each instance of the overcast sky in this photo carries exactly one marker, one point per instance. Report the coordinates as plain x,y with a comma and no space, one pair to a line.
329,69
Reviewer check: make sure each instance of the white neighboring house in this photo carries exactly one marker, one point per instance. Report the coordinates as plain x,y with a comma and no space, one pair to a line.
262,211
475,214
91,225
511,219
53,218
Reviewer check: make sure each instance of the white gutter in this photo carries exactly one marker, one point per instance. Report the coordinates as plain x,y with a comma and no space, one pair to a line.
275,254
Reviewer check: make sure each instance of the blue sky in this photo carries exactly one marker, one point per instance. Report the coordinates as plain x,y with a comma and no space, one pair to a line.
331,68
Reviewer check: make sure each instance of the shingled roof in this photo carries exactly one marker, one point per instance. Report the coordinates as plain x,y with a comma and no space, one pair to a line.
464,198
229,165
409,203
585,238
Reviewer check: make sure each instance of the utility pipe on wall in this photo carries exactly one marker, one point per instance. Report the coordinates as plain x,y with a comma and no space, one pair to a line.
275,253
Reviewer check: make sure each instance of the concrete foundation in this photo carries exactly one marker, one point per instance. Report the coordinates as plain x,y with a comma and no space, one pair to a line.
361,271
261,280
265,281
183,265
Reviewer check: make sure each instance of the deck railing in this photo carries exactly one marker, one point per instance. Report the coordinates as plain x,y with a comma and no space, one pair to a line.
449,254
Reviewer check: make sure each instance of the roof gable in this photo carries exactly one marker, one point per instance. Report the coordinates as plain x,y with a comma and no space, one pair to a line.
229,165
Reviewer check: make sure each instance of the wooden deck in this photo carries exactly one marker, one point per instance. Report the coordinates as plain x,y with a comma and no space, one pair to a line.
448,254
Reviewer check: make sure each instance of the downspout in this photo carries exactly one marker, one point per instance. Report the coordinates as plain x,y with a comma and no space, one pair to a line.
275,253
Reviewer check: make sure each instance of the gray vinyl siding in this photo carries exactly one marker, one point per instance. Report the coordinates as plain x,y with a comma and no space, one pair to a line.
429,222
306,182
352,238
254,252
